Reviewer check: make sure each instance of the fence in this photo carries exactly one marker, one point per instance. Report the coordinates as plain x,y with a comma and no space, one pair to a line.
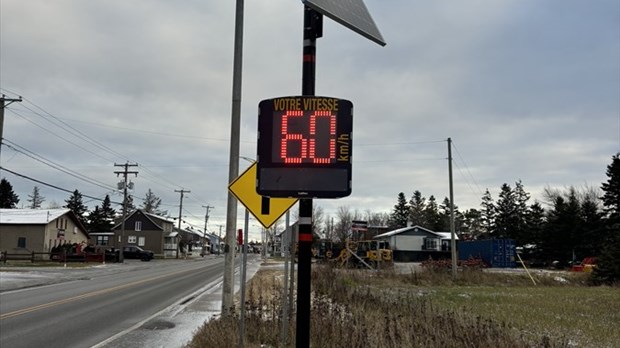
58,257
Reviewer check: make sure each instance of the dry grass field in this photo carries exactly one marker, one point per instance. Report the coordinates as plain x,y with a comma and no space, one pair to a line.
361,308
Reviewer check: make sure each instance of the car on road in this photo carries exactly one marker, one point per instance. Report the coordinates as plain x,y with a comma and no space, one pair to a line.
135,252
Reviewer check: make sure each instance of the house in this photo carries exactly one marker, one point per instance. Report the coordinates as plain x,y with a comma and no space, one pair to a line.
39,230
416,243
146,230
282,242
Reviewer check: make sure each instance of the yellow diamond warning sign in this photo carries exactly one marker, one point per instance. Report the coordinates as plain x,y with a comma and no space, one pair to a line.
266,210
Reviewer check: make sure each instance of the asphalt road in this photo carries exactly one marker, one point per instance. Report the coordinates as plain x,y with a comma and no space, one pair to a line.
100,304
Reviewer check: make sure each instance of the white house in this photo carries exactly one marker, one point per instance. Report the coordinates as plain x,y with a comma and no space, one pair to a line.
416,243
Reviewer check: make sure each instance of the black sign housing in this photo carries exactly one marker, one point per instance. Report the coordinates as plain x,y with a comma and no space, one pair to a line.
304,147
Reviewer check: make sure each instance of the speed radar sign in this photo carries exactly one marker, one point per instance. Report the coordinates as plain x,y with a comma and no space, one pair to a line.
304,147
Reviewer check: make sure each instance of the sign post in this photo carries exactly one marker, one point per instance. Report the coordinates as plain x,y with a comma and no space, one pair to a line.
304,147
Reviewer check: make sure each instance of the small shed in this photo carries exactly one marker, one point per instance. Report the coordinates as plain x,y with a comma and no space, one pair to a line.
416,243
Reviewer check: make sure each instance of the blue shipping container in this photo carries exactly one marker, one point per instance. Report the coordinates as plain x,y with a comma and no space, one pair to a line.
497,253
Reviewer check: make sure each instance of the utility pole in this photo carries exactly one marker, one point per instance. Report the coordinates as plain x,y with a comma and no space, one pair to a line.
204,235
228,282
181,191
452,229
4,102
125,172
219,241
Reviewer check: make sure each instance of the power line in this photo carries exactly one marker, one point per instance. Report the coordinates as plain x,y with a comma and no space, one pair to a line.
52,186
480,192
83,136
62,138
41,159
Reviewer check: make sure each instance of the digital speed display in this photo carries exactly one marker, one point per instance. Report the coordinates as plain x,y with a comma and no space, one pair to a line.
304,147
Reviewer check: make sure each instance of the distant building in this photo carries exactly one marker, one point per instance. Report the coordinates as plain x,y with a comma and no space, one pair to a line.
416,243
146,230
39,230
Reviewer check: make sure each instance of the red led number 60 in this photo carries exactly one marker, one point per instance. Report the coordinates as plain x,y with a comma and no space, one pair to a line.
308,144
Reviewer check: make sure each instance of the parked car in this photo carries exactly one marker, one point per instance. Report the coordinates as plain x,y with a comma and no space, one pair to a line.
135,252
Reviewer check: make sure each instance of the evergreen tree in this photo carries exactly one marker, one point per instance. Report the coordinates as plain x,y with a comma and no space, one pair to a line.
400,213
433,217
417,204
151,204
35,199
593,234
8,198
487,215
108,212
561,235
611,189
102,219
507,218
472,224
535,223
444,217
608,268
96,220
521,231
76,204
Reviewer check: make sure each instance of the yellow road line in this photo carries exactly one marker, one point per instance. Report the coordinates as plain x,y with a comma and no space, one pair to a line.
83,296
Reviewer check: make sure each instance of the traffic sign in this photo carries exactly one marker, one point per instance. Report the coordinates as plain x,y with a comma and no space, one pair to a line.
304,147
266,210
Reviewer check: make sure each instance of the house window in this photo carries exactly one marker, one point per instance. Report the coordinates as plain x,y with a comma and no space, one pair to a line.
138,226
430,243
132,239
141,241
21,242
102,240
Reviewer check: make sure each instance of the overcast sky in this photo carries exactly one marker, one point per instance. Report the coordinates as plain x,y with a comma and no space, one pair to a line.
527,89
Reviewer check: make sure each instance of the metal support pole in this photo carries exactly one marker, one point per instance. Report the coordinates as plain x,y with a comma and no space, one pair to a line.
313,27
244,267
228,285
286,241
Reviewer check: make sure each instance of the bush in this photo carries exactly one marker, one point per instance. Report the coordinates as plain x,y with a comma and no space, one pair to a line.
607,270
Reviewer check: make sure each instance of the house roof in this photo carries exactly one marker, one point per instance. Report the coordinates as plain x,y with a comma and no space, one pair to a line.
442,235
156,219
30,216
447,235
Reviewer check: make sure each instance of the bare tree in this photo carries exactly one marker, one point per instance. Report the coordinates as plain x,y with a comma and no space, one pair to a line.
342,229
318,220
376,219
35,199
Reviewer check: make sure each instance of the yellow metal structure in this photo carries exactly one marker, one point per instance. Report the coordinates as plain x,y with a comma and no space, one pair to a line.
369,253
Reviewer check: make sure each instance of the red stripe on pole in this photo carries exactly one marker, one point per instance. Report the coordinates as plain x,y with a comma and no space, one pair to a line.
309,58
305,237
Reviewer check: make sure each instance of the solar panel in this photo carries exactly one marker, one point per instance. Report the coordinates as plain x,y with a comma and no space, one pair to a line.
353,14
